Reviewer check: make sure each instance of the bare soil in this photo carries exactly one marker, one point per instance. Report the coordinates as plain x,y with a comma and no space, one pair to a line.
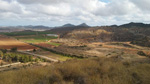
8,43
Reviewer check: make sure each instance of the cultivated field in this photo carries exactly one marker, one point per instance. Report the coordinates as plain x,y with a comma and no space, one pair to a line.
34,38
8,43
120,50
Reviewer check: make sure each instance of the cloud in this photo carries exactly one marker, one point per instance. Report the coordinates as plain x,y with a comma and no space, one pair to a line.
42,1
142,4
13,7
57,12
117,8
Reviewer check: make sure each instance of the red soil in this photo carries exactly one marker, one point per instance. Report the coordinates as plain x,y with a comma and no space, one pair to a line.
8,43
46,45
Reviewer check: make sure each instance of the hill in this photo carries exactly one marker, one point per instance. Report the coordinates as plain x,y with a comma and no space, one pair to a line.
131,32
133,24
22,28
83,25
69,27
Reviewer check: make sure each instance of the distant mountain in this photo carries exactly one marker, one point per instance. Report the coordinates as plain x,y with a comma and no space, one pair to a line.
28,27
71,25
21,28
36,27
68,25
113,25
83,25
132,24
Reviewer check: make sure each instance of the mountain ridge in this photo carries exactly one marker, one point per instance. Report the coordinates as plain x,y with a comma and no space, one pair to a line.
72,25
135,24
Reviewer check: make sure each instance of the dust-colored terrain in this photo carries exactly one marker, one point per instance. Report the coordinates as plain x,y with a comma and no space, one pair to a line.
8,43
51,55
121,50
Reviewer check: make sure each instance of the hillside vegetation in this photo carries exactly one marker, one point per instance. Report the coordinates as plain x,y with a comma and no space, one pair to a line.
92,34
134,34
88,71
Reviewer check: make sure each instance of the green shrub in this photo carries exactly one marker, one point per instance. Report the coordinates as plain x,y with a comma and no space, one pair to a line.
141,53
14,49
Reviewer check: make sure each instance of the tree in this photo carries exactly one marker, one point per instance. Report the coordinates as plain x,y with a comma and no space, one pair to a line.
1,54
34,50
3,50
18,58
141,53
14,49
1,63
36,60
30,58
10,60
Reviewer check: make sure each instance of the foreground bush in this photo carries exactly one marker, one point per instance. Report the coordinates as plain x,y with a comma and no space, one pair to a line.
89,71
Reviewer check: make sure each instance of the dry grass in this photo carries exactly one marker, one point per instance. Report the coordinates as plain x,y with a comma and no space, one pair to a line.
89,71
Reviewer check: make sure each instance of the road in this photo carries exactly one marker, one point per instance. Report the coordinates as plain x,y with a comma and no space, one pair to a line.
10,64
41,56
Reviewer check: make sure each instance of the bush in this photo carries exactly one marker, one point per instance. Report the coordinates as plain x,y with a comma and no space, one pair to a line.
141,53
14,49
101,45
3,50
34,50
87,71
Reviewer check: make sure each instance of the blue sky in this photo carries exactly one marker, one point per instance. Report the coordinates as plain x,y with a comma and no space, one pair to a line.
105,1
59,12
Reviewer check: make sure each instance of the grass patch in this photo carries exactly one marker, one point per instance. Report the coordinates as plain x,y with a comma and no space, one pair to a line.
54,44
61,58
53,55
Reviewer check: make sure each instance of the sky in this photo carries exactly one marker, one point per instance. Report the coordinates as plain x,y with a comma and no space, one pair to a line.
59,12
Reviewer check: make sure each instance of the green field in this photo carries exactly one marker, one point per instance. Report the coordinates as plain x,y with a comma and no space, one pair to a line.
31,36
54,44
